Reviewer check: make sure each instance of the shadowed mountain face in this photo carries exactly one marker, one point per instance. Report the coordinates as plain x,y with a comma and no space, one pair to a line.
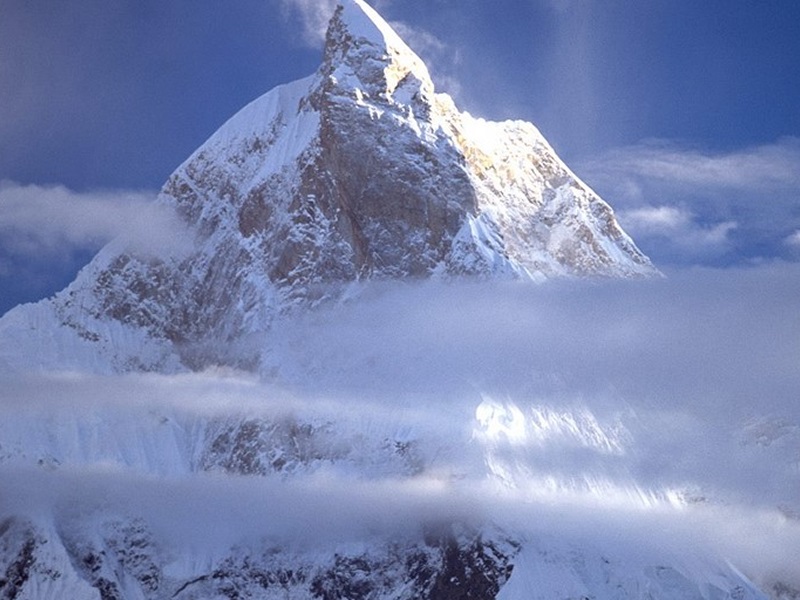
360,171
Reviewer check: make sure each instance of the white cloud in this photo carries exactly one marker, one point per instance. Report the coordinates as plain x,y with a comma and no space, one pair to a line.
39,220
768,166
742,203
313,15
794,240
678,228
765,169
658,219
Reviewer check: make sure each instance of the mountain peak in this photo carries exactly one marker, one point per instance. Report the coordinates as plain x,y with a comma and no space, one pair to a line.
361,44
357,172
363,22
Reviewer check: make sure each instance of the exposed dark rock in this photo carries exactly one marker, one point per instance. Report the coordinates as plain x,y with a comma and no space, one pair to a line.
783,591
18,570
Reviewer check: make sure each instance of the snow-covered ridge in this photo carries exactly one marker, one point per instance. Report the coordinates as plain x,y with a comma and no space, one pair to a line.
269,132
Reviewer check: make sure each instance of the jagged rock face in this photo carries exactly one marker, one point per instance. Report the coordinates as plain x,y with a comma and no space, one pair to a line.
441,566
33,565
376,102
121,560
359,171
288,447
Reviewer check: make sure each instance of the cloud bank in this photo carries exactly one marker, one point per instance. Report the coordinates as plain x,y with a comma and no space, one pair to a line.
655,417
39,220
47,233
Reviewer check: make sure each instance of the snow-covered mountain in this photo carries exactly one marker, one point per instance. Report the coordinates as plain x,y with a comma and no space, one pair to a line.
360,171
316,430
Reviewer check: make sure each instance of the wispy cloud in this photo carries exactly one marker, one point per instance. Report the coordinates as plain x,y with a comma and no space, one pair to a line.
313,16
441,58
39,220
685,205
678,228
761,168
793,240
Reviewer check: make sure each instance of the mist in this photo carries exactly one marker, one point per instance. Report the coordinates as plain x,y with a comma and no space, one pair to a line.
648,419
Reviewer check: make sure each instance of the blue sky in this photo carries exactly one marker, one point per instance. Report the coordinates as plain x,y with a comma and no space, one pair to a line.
684,115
